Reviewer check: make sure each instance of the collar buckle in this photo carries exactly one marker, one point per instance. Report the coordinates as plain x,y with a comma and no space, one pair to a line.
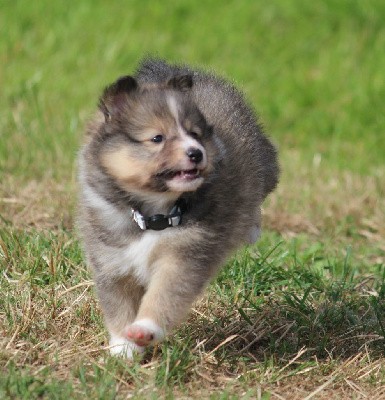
158,222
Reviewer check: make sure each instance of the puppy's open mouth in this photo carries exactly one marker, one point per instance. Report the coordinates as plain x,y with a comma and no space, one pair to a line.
189,174
185,175
185,180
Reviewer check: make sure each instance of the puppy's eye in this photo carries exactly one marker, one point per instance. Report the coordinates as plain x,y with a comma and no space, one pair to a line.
157,139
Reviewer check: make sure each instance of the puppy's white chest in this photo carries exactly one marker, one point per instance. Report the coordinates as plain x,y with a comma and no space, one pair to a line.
137,255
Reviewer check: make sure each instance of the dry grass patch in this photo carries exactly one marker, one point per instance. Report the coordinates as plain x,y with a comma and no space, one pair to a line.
337,206
45,204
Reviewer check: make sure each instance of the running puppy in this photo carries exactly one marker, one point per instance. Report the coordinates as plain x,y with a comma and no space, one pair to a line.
172,173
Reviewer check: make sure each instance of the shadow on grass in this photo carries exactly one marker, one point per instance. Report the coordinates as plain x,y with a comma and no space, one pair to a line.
279,330
273,308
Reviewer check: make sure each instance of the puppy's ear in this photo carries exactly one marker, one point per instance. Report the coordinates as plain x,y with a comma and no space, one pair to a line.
180,82
116,94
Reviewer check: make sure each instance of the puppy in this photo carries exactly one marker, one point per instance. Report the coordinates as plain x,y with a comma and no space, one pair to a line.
172,173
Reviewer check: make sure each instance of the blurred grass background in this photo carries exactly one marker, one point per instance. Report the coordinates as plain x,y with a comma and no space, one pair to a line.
314,71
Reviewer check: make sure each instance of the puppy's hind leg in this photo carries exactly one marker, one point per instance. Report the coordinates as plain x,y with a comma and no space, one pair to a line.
173,288
120,301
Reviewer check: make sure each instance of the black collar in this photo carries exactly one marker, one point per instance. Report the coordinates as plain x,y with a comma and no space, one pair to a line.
159,222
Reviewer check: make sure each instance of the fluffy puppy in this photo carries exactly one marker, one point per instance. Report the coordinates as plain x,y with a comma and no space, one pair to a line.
172,173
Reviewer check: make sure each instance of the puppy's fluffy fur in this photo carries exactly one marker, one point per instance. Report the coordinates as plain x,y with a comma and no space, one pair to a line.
166,134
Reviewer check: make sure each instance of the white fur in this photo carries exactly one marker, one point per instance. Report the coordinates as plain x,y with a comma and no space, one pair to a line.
133,259
123,347
149,324
173,107
137,255
188,141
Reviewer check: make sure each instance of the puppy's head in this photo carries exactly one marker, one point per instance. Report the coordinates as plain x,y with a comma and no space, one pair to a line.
153,137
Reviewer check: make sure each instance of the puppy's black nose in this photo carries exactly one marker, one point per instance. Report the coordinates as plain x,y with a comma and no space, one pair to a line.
195,155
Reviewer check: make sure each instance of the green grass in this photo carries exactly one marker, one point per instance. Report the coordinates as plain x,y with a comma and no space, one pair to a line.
301,309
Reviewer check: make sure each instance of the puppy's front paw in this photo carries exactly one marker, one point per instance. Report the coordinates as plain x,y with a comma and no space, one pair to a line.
144,332
122,347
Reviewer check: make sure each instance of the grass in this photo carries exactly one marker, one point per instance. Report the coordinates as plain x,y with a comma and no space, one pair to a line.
299,315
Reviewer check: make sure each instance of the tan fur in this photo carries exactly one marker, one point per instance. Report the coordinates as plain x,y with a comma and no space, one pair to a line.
129,171
164,302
